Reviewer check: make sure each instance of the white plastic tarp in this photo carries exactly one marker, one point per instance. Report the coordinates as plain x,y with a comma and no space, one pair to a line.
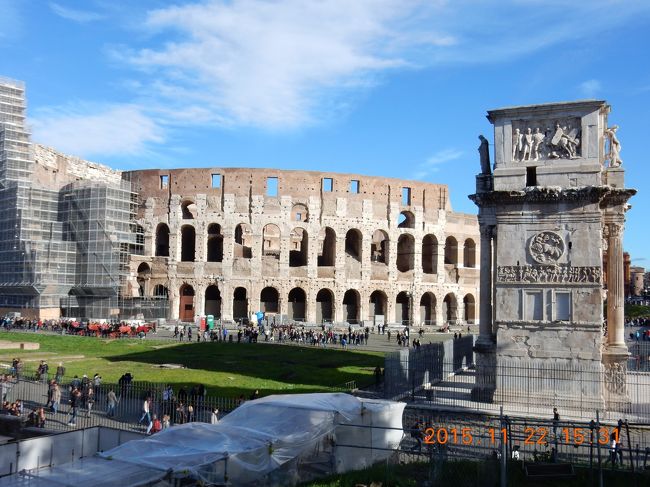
275,440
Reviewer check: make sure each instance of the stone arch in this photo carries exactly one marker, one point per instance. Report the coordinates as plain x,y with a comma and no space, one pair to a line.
186,306
430,254
215,243
469,253
469,303
188,243
269,300
296,309
406,219
451,250
405,252
327,250
299,213
243,238
213,301
162,240
450,308
403,308
351,301
144,274
378,305
188,210
299,247
324,306
428,309
353,244
379,247
240,304
271,241
161,291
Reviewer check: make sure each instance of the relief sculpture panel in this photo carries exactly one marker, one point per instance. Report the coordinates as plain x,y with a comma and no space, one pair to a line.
534,140
544,274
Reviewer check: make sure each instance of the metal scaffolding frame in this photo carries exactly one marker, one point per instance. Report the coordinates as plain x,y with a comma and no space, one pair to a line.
67,249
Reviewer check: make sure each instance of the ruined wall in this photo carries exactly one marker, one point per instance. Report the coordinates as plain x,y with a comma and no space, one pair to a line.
309,236
53,169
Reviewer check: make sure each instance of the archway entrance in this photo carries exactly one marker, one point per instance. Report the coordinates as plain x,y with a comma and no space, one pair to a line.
186,311
296,305
324,300
213,302
240,304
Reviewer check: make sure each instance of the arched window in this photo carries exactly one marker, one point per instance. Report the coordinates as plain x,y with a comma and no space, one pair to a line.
144,274
162,240
298,247
271,241
327,251
188,210
215,243
188,243
243,236
451,251
299,213
405,252
469,253
160,291
379,247
406,219
430,254
353,240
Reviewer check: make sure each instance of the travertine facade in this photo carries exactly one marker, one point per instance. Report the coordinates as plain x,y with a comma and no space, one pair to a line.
555,201
308,245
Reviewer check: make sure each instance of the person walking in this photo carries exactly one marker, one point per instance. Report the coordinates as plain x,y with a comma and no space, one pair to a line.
56,398
111,401
75,399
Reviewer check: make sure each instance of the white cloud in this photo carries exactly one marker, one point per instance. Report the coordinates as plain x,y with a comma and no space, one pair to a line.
273,64
89,130
590,88
288,63
434,163
81,16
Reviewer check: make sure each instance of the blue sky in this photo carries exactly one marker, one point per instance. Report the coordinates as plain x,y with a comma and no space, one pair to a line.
395,88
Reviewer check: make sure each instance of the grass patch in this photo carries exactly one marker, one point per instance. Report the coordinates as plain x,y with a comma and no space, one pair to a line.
227,369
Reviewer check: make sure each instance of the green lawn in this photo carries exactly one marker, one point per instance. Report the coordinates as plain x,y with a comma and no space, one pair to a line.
227,369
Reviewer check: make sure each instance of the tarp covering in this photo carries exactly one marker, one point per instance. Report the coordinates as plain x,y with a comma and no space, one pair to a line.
275,440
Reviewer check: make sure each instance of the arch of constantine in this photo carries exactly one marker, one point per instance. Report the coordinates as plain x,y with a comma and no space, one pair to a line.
311,246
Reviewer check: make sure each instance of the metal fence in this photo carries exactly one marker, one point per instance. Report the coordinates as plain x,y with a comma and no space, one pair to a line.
445,376
185,406
128,413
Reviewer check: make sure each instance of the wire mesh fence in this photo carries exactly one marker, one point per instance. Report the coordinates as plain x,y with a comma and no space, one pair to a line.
114,405
445,375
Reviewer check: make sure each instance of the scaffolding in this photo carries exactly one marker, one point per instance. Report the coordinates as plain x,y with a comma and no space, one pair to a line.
65,250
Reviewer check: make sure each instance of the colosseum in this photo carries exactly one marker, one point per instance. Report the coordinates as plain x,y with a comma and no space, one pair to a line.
307,246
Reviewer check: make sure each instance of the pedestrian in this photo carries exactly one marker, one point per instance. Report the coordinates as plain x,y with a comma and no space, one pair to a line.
556,420
75,399
60,372
214,417
90,399
111,400
56,398
156,425
145,412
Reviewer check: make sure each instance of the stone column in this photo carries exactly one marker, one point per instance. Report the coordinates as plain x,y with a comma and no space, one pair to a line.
485,346
485,300
615,290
